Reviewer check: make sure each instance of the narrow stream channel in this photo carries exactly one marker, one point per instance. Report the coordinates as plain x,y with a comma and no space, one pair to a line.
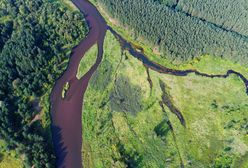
66,112
161,69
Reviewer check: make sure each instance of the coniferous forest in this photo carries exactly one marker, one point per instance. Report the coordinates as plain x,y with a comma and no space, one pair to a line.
186,29
231,15
35,40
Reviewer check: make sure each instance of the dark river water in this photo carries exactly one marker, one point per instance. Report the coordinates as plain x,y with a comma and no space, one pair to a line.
66,112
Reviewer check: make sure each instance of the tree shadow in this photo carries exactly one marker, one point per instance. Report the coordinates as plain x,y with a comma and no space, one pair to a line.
60,149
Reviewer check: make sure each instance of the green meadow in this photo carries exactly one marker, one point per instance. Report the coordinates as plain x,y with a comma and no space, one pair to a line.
125,126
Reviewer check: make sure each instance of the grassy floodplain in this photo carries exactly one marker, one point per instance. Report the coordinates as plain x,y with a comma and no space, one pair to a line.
116,134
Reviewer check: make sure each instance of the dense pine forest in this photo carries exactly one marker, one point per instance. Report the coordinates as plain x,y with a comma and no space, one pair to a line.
181,34
35,40
230,15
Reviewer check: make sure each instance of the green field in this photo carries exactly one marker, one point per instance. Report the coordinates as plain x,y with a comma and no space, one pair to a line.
124,124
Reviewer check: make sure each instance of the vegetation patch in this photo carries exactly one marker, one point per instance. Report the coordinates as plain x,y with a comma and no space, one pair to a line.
102,78
162,128
125,97
130,157
65,89
7,161
87,61
9,158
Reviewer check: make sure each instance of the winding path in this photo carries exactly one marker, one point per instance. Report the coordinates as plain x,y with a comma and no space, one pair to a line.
66,112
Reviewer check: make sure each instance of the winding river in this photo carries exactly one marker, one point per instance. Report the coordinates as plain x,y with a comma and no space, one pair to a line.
66,112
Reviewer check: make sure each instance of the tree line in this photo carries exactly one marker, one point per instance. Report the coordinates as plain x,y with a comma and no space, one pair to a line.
179,36
35,38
